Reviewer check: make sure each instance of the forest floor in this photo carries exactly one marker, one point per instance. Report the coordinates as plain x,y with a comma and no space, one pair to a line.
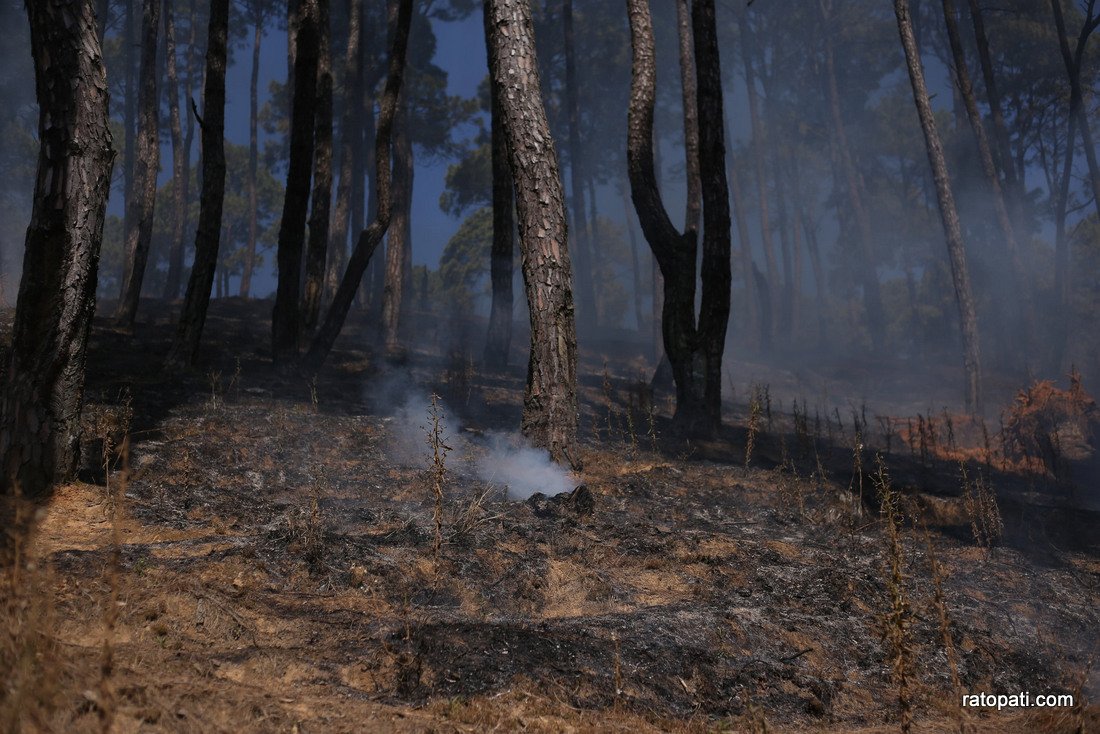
268,565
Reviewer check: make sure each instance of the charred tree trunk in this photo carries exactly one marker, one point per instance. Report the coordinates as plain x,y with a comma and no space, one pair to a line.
129,115
694,353
180,167
688,101
635,262
872,296
286,317
350,134
139,207
193,317
714,310
398,256
373,234
550,400
253,153
1073,61
968,319
583,245
317,249
44,386
498,339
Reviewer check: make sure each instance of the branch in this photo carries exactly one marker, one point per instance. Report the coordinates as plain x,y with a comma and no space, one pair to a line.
195,111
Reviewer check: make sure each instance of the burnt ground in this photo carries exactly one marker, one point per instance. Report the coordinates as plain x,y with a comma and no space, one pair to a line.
275,567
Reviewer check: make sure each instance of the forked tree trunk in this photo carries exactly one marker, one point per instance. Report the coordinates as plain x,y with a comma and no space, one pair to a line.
694,353
370,237
44,386
350,134
185,346
550,400
398,256
253,153
498,339
180,164
139,214
286,317
321,202
956,250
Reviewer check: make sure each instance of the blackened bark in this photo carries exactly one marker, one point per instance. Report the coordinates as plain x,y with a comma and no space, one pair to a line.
398,255
1073,61
185,346
948,213
550,400
44,386
714,310
321,201
583,244
253,152
370,237
872,295
180,172
129,112
286,317
498,339
350,135
139,208
635,262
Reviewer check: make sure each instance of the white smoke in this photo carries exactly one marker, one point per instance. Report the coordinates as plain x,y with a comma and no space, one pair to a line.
500,459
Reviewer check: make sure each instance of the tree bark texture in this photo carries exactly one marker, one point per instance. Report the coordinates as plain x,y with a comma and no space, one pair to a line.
498,339
550,399
321,201
286,317
688,94
139,217
1073,61
208,236
44,386
955,248
370,237
175,255
993,97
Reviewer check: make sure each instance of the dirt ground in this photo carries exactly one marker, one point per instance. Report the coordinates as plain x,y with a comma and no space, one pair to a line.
262,560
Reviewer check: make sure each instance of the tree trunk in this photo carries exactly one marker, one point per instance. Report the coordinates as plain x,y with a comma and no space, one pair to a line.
129,113
1073,61
253,154
770,262
317,250
583,245
180,171
955,247
370,237
193,317
872,296
139,208
714,310
286,318
397,240
175,255
635,264
993,97
550,400
498,339
688,96
350,134
44,386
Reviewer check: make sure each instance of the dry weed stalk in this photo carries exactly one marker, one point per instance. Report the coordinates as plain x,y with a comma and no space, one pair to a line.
898,616
215,379
651,418
855,486
104,688
438,469
609,398
754,424
939,599
980,503
630,428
